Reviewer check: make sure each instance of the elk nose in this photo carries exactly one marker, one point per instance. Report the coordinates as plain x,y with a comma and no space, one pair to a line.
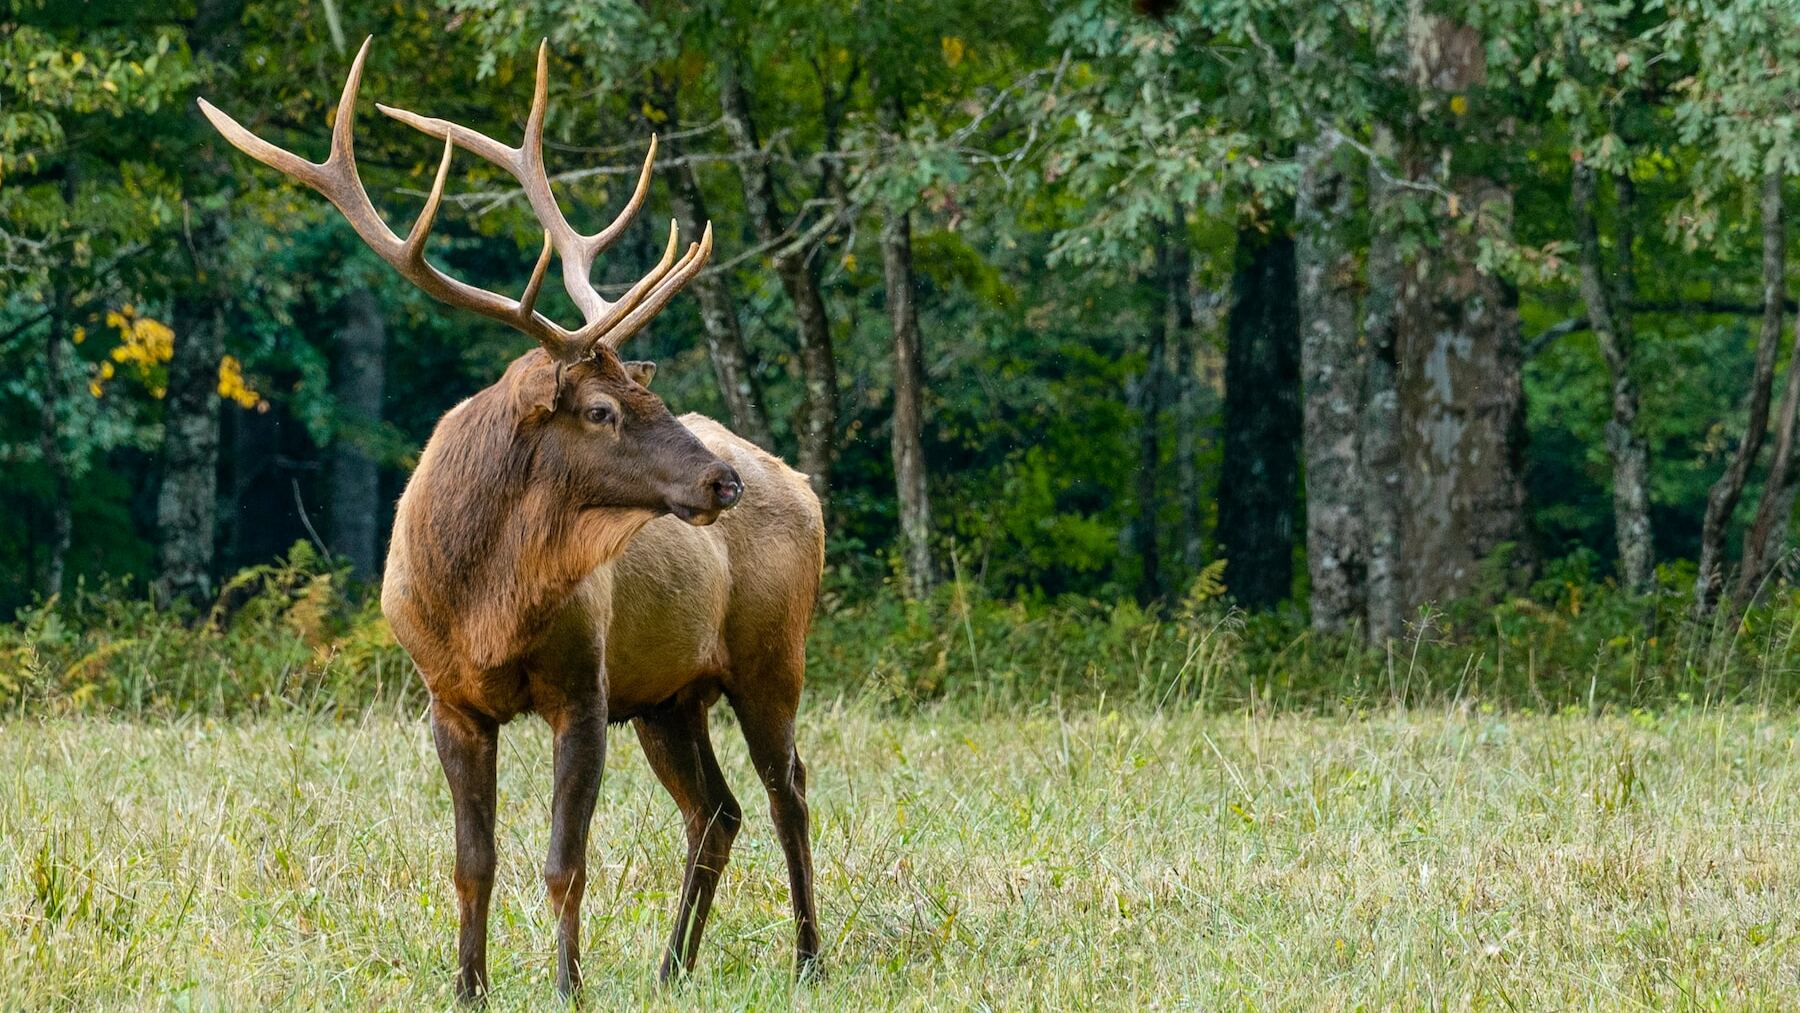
722,482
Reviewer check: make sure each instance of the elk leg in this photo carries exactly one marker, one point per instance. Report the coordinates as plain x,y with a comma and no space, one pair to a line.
467,747
676,742
769,730
580,736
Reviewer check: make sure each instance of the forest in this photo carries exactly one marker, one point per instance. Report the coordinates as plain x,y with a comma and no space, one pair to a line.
1361,306
1346,309
1307,494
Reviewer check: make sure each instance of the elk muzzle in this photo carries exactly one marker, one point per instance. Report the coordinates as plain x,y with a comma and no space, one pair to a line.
718,490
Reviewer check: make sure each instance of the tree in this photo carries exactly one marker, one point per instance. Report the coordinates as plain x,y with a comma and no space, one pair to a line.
358,378
1609,314
794,251
1460,392
78,204
910,481
733,367
187,500
1259,492
1739,108
1332,379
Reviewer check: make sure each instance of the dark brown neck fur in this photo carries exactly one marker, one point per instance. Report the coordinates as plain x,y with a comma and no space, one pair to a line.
492,554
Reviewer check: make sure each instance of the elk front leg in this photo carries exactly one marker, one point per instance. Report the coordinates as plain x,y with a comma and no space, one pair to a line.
580,756
769,731
467,747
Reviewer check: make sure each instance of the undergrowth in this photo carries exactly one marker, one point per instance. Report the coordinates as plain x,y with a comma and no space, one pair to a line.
294,635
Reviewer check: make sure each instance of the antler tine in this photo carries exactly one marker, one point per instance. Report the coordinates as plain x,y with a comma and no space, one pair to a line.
591,330
532,287
684,272
421,230
526,164
336,179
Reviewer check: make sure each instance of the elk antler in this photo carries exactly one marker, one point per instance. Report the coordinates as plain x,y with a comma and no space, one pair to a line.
609,322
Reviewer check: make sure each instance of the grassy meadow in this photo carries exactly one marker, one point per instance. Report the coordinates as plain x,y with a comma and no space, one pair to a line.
1174,857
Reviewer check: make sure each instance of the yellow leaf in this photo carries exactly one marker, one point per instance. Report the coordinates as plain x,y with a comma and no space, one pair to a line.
953,50
1459,105
232,385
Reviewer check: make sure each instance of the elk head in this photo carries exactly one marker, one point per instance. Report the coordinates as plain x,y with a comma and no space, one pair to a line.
587,420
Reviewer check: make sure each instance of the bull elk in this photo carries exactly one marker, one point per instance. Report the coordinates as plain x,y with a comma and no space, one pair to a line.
567,546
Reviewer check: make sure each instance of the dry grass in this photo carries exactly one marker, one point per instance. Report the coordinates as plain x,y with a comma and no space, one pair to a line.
1121,860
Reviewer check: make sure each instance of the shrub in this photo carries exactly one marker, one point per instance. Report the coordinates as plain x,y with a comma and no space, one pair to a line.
292,635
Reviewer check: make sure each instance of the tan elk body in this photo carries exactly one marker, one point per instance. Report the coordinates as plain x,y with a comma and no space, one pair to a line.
672,603
569,548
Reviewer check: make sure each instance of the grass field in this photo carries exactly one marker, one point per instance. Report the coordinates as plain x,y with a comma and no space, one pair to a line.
1121,860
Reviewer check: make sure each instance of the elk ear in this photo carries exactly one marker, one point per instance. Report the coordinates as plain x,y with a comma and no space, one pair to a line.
640,372
535,390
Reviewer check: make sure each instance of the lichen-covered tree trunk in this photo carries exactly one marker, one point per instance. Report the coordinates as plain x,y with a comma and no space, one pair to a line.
1379,427
358,377
1723,498
1332,387
186,503
1460,395
730,356
732,366
1259,477
907,442
816,427
1610,318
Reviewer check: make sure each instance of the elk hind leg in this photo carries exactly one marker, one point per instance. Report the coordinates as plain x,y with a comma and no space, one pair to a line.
679,748
766,711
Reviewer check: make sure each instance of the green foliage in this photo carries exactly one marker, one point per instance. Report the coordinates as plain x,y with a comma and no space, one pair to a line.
282,635
1043,154
289,635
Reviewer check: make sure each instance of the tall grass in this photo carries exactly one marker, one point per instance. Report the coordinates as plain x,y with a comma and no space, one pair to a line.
1099,858
293,636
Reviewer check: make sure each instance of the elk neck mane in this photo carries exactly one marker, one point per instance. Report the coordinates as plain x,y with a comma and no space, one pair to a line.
495,545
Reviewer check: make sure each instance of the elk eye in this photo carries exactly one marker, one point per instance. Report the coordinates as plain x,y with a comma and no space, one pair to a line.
599,415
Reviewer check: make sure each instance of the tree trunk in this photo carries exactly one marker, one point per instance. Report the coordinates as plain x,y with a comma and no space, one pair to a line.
1459,390
1149,391
1178,311
50,442
731,362
1763,543
1609,316
357,380
1332,371
1257,490
1382,475
1724,495
50,435
186,504
798,270
909,406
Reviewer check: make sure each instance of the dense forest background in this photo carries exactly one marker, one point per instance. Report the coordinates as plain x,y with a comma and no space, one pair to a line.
1349,307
